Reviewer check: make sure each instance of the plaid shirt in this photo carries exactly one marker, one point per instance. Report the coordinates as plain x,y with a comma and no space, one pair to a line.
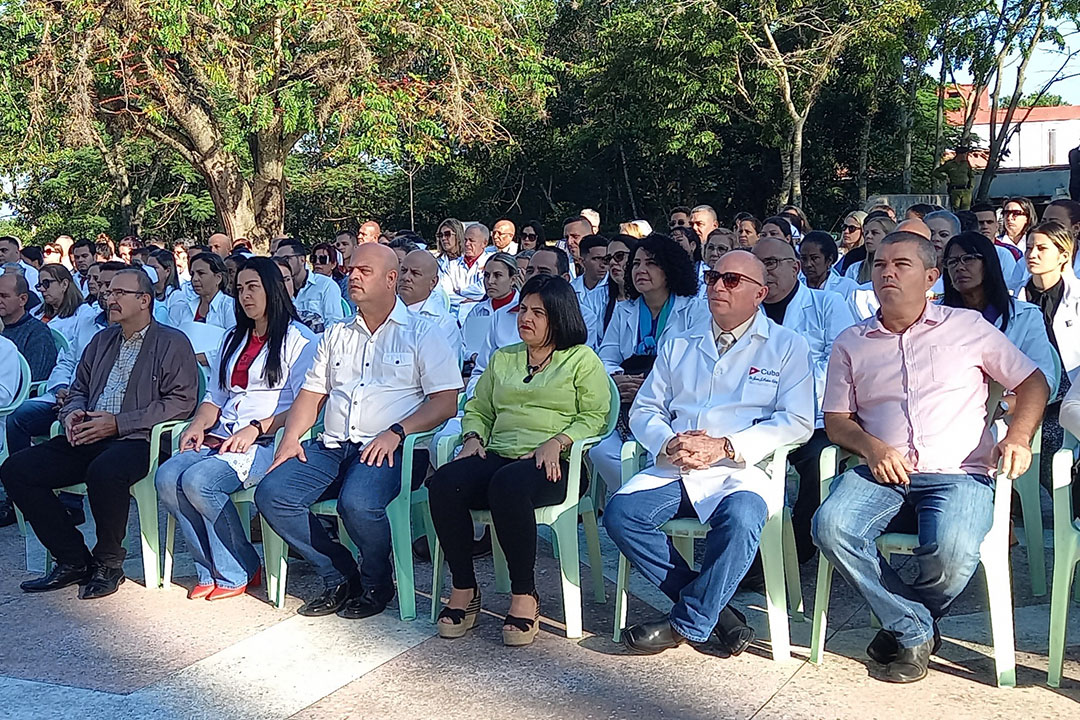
112,397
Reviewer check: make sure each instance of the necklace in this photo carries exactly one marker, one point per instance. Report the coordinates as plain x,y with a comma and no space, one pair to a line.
531,370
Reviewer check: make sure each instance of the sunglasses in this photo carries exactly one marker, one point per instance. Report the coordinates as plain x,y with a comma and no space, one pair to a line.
731,280
44,284
1015,213
617,257
445,234
852,228
320,259
528,234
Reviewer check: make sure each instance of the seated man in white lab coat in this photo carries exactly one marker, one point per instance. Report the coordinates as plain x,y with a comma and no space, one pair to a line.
719,400
819,316
418,277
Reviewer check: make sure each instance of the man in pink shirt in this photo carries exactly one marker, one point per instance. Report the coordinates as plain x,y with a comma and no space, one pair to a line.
907,390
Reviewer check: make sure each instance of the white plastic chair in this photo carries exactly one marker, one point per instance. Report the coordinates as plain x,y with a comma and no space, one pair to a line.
1066,555
19,399
777,555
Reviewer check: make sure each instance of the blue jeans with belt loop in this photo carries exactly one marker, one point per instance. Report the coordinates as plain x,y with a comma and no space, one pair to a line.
633,523
955,511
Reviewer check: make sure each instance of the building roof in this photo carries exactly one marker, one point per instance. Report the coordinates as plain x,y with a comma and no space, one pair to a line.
982,114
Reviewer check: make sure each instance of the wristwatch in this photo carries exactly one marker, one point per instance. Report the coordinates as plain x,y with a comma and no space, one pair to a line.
398,430
471,434
728,450
258,426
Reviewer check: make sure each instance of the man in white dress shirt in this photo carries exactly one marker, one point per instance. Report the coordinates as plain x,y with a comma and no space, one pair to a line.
719,400
591,286
416,283
316,297
11,252
502,236
378,377
82,257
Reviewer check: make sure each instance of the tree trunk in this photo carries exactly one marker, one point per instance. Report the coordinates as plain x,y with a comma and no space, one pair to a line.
785,169
112,153
796,160
938,186
907,115
629,187
864,156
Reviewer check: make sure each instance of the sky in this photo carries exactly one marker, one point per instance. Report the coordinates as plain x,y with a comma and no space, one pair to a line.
1044,63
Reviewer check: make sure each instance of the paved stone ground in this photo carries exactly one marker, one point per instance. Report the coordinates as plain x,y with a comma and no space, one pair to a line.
155,654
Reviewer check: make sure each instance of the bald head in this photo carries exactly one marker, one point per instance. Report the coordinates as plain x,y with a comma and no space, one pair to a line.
373,276
781,267
733,304
369,232
418,277
220,244
773,247
915,225
742,261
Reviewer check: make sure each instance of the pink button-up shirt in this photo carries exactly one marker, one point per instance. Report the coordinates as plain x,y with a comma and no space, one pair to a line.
924,391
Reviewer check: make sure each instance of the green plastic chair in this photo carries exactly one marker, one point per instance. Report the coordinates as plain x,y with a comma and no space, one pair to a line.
993,555
778,556
145,495
349,312
19,399
1066,555
561,518
399,513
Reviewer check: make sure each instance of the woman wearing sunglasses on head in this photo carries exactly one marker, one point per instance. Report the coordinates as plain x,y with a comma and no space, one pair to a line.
62,303
533,401
851,247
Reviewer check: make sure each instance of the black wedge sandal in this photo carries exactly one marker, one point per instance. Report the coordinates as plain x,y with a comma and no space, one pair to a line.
461,621
521,631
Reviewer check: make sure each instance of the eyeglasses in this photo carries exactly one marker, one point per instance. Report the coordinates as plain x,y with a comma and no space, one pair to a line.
320,260
773,263
44,284
1015,213
852,228
965,260
731,280
119,293
445,234
617,257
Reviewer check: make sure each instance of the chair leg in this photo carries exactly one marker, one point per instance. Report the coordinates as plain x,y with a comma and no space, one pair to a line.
21,520
1028,488
772,564
170,539
685,547
792,577
502,574
146,504
821,609
1064,568
398,512
436,577
622,597
999,589
596,560
243,509
276,558
564,530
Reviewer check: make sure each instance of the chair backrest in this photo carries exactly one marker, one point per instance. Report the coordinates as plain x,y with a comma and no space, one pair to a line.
24,388
346,307
613,412
60,341
1061,492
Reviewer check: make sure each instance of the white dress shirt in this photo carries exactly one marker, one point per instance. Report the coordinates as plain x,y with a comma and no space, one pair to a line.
373,380
222,312
462,282
321,296
434,309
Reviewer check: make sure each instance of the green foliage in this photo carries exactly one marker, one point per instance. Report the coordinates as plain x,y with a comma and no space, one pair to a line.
1044,100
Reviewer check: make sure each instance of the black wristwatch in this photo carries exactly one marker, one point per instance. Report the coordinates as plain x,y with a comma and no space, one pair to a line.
398,430
258,426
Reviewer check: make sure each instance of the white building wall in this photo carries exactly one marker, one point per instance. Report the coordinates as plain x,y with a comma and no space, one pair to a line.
1037,144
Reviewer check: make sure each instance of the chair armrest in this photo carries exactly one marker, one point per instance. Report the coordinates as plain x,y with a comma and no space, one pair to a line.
38,388
446,446
408,449
1062,488
176,433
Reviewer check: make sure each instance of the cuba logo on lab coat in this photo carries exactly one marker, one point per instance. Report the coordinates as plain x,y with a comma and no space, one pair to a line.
764,375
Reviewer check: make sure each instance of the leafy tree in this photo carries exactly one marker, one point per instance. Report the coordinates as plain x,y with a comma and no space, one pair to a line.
1042,100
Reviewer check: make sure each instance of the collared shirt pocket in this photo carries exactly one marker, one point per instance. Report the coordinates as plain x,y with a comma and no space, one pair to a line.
399,365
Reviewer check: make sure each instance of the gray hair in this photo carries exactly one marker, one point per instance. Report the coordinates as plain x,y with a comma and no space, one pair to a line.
704,209
927,252
21,286
944,215
145,285
525,254
486,231
506,259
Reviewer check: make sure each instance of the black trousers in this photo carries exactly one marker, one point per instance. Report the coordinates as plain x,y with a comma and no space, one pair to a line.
109,468
512,490
805,460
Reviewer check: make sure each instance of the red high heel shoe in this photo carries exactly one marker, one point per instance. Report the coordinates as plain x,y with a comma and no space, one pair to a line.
200,591
220,593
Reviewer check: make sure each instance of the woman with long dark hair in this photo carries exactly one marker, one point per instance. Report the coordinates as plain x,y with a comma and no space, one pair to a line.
211,303
619,249
227,446
532,236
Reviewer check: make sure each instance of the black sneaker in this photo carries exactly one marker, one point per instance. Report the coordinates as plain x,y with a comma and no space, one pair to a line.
371,601
7,514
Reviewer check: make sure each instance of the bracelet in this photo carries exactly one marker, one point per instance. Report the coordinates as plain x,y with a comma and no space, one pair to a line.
563,445
469,435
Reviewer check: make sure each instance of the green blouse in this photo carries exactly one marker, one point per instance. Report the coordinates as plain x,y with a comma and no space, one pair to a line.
572,395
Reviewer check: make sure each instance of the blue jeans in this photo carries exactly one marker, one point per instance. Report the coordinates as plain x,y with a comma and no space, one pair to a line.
954,514
362,491
633,521
195,488
32,419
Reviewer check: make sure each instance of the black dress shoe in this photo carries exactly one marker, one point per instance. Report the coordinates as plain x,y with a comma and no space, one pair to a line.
332,599
650,638
482,547
103,582
7,514
371,601
420,549
883,648
62,576
909,666
732,632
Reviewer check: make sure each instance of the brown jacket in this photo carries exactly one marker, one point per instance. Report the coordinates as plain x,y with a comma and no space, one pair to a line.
164,383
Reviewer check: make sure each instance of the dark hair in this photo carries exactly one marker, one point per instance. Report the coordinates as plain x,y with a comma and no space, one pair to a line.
404,242
279,313
874,214
575,219
692,238
33,254
922,209
678,268
131,242
566,327
969,222
13,240
679,209
112,266
72,297
347,233
592,241
332,253
799,221
217,266
88,244
562,260
296,245
613,289
1072,206
539,228
166,260
745,216
825,242
983,207
783,223
993,284
281,262
102,248
143,252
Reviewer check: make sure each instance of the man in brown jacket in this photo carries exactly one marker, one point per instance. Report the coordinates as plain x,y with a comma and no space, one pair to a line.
133,375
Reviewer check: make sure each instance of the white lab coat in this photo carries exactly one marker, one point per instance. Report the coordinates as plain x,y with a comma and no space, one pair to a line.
759,395
621,337
10,377
818,316
475,328
1067,325
837,283
595,299
461,282
501,332
222,311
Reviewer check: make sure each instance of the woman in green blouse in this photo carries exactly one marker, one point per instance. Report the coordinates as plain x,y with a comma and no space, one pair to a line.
534,400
